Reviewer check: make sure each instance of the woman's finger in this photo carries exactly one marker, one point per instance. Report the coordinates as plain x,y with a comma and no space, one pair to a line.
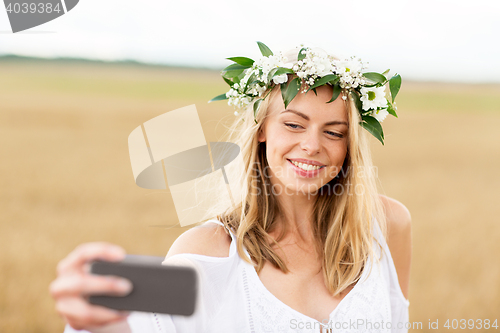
88,284
76,260
81,315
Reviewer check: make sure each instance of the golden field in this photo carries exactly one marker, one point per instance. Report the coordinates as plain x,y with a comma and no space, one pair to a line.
65,179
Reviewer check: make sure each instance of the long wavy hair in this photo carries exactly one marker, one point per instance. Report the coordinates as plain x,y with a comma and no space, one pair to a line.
344,209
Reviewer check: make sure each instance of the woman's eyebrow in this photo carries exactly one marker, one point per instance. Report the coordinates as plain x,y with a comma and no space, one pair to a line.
335,122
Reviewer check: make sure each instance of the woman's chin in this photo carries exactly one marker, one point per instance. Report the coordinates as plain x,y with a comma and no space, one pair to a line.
296,187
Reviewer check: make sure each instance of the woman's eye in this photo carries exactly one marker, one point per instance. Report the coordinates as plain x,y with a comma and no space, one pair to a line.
335,134
330,133
294,126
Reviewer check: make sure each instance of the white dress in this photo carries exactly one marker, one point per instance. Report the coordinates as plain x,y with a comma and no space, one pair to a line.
233,299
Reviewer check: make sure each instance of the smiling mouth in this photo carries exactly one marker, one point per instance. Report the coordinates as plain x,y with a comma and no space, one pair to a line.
306,167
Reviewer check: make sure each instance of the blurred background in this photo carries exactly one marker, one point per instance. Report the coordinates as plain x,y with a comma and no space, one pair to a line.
73,89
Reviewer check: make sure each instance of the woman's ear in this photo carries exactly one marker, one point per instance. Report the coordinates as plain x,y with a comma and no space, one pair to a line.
261,136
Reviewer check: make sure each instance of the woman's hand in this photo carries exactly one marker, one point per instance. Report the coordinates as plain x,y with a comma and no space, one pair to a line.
74,283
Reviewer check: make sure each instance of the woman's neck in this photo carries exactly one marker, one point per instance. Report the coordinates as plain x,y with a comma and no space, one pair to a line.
296,214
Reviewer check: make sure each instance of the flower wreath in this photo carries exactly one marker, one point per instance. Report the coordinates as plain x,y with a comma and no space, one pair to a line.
249,80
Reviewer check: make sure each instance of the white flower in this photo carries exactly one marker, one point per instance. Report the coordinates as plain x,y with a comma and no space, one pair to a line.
261,90
231,93
347,79
266,64
280,79
380,114
373,98
316,63
349,71
353,65
301,74
321,62
239,100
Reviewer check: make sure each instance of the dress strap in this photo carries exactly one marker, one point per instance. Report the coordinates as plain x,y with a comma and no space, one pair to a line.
216,221
389,262
232,248
378,235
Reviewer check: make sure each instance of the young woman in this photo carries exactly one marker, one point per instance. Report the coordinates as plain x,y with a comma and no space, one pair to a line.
310,246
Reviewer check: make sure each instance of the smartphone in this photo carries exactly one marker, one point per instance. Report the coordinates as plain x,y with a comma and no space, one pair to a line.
157,288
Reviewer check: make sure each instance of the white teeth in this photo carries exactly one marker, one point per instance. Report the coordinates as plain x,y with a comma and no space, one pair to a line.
306,167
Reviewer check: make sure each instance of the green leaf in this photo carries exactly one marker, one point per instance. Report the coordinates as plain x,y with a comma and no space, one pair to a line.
232,74
256,106
375,77
278,71
266,52
373,126
250,81
235,67
283,87
233,71
288,92
336,92
221,97
241,76
271,74
325,79
394,85
300,55
256,81
244,61
283,70
386,72
357,101
228,81
391,110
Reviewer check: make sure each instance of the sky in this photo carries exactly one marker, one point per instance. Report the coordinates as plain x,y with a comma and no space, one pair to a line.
426,40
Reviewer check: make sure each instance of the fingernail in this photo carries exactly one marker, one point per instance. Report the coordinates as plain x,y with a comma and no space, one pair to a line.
118,252
125,285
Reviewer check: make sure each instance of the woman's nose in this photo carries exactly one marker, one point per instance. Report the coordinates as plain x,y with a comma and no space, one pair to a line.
311,143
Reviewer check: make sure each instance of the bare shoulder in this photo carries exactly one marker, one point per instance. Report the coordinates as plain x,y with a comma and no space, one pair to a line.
399,239
209,239
397,215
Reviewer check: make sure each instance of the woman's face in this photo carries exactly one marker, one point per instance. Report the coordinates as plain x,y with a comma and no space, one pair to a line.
306,143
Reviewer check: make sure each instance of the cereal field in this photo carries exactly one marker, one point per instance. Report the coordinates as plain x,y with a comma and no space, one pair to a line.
65,178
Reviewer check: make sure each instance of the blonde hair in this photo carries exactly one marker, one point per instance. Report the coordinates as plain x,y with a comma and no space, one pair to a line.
342,223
